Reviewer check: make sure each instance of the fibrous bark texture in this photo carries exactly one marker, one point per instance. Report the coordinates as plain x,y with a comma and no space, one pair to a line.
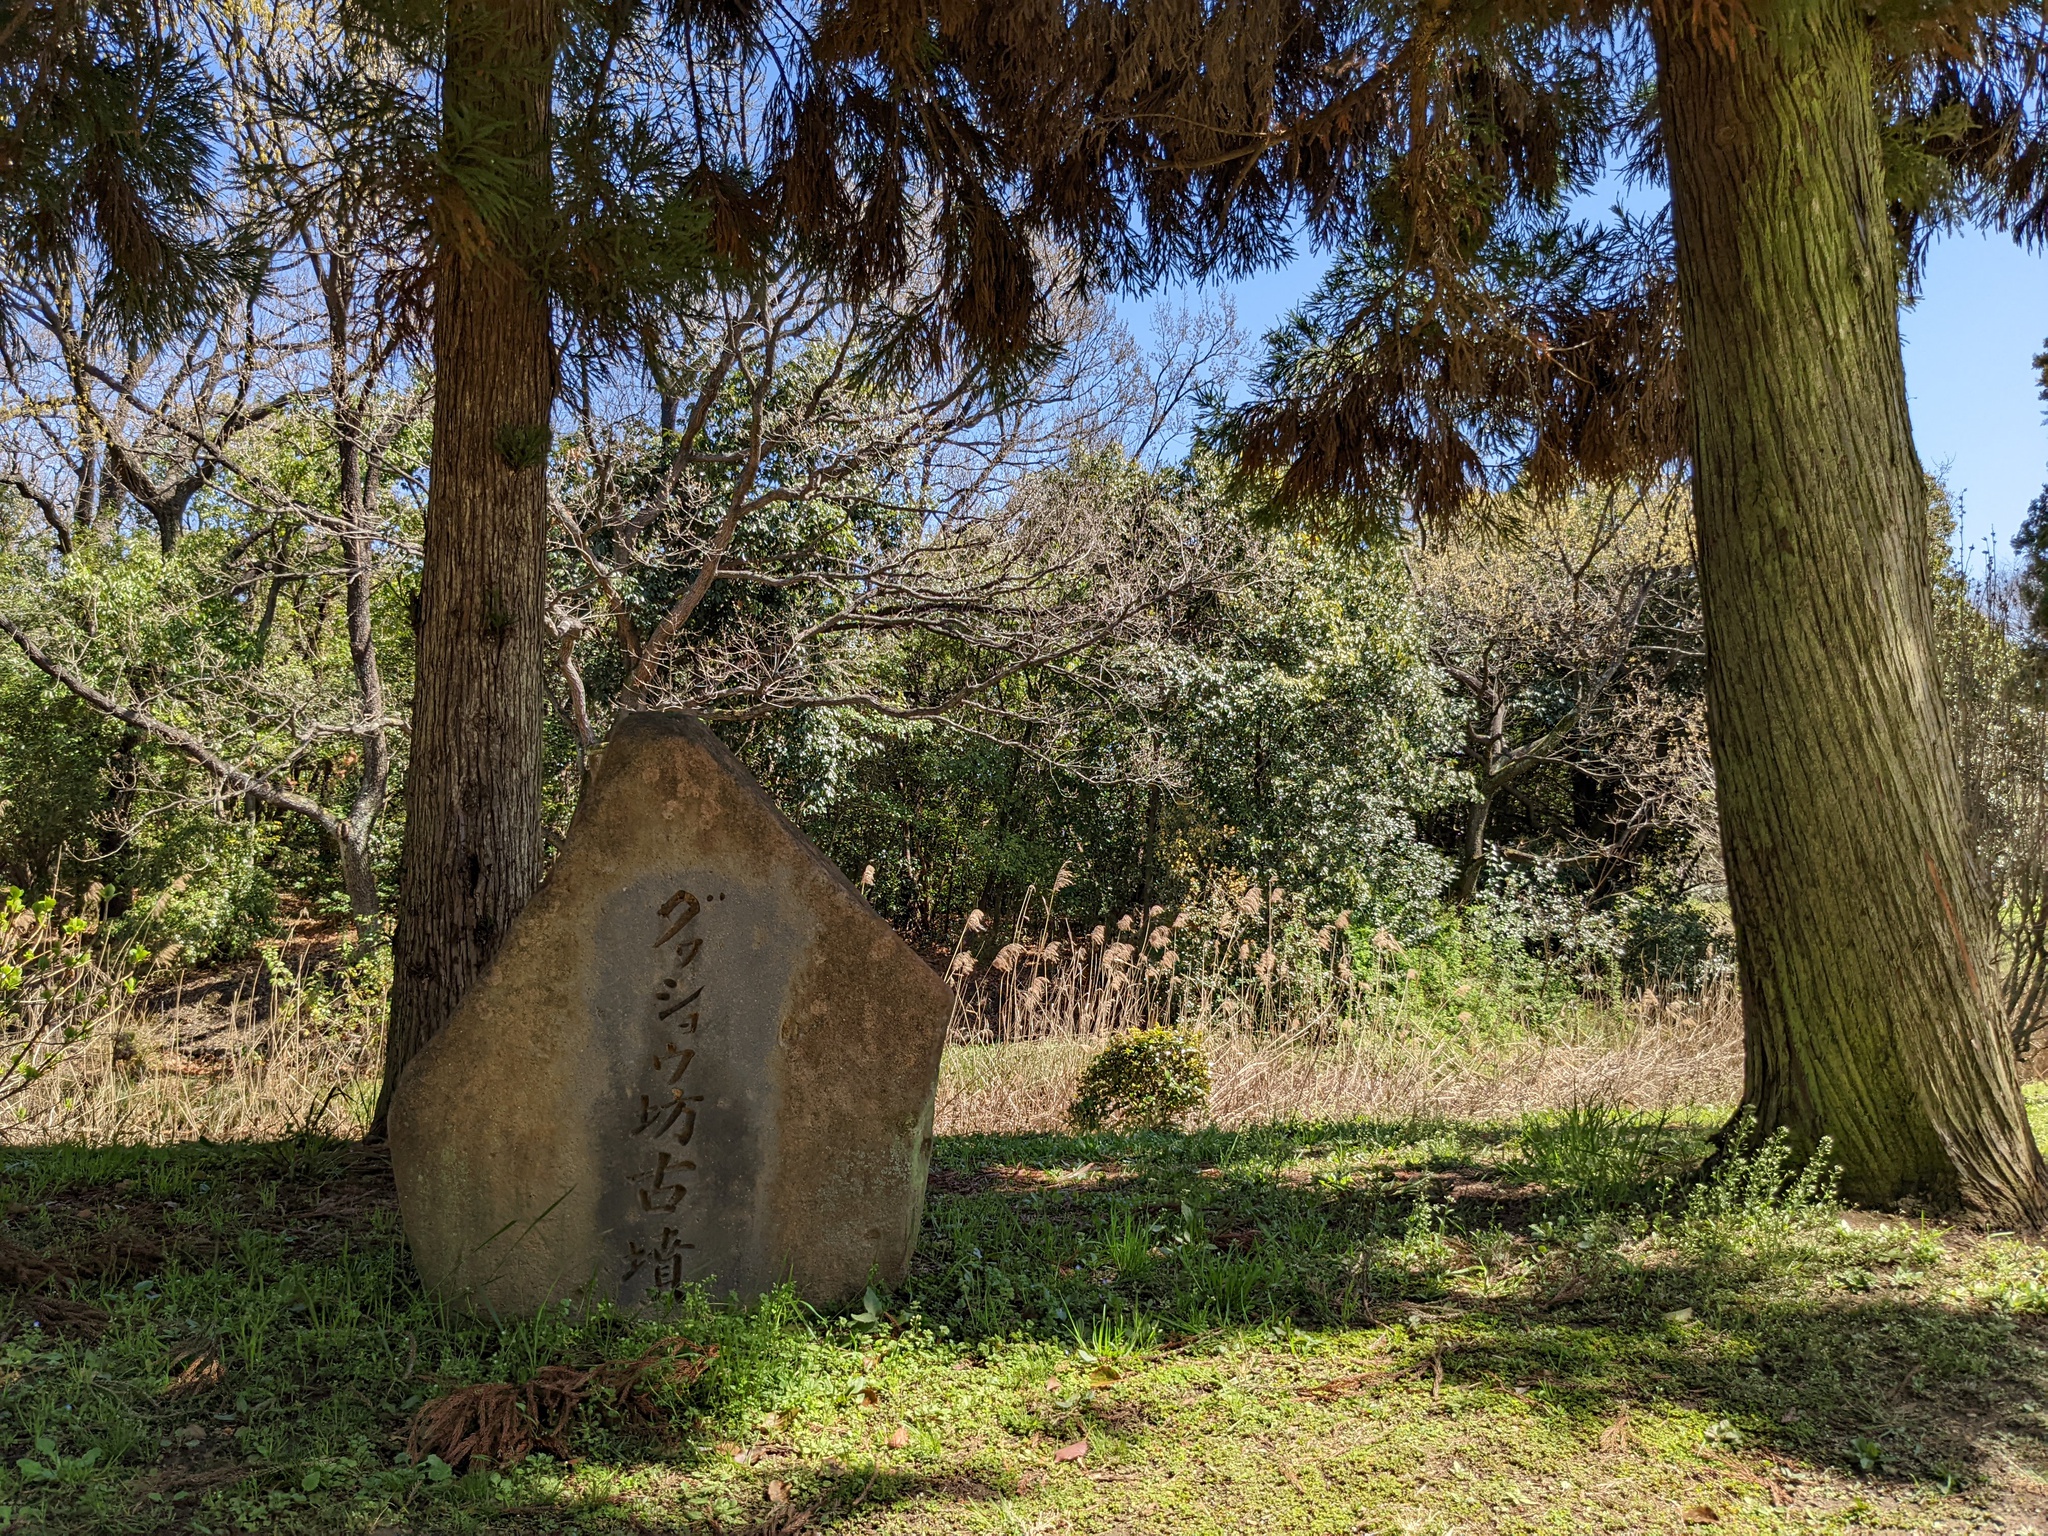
472,852
1868,965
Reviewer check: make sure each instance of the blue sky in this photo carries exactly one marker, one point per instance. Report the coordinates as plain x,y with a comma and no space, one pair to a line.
1970,344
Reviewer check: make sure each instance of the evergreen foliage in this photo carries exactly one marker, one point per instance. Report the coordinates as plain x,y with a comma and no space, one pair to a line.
1145,1079
110,147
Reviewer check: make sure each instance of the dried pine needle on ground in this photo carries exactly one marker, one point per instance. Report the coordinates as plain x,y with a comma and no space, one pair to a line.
1391,1324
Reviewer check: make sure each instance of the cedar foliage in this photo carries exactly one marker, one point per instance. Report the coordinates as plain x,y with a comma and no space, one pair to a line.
107,134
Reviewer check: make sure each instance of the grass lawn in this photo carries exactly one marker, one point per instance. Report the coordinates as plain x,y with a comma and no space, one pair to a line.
1336,1327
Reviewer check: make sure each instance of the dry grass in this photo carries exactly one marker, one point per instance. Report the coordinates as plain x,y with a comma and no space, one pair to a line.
225,1058
503,1422
242,1057
1296,1028
1654,1056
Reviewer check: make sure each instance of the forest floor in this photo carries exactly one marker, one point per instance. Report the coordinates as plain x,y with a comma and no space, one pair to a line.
1366,1325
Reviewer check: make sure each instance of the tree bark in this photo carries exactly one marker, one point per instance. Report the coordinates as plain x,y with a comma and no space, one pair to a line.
472,851
1869,973
358,497
1472,846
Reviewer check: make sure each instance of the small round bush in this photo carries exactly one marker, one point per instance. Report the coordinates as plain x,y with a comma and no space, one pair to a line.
1149,1078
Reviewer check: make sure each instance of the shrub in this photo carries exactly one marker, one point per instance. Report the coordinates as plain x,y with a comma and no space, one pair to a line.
59,977
1149,1077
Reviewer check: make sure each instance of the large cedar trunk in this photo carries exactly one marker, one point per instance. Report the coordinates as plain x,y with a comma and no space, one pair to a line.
472,852
1869,974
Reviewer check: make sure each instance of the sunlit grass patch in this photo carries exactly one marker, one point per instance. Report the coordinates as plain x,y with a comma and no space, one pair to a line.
1413,1324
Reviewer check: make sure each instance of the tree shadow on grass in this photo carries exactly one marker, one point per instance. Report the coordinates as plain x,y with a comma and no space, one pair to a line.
283,1320
1795,1337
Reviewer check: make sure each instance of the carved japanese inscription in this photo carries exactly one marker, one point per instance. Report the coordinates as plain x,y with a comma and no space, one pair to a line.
667,1116
699,1060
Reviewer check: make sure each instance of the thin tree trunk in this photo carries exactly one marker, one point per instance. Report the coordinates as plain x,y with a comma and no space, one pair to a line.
472,852
358,495
1148,847
1472,856
1869,972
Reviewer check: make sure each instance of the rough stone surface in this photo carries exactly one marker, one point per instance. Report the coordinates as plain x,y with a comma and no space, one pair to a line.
699,1056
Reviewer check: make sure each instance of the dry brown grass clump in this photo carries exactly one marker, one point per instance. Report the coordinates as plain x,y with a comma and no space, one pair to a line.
1292,1030
253,1054
502,1422
1653,1056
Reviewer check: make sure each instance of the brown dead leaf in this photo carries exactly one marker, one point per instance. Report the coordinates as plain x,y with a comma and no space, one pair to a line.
778,1493
1614,1438
1072,1452
1702,1514
1340,1386
195,1370
504,1421
899,1439
23,1269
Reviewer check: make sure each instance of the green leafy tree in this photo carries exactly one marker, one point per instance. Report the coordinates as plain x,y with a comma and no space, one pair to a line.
1479,338
213,518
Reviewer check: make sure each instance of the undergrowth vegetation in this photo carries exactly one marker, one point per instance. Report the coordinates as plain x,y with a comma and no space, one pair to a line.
1410,1325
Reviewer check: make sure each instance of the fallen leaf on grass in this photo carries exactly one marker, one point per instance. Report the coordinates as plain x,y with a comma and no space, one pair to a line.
899,1439
778,1493
195,1370
503,1421
1701,1514
1614,1437
1340,1386
1072,1452
1570,1291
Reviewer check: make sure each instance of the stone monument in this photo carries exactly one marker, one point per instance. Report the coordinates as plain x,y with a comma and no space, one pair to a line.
700,1056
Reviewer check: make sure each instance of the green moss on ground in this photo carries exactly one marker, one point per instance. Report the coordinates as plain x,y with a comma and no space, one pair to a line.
1323,1328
